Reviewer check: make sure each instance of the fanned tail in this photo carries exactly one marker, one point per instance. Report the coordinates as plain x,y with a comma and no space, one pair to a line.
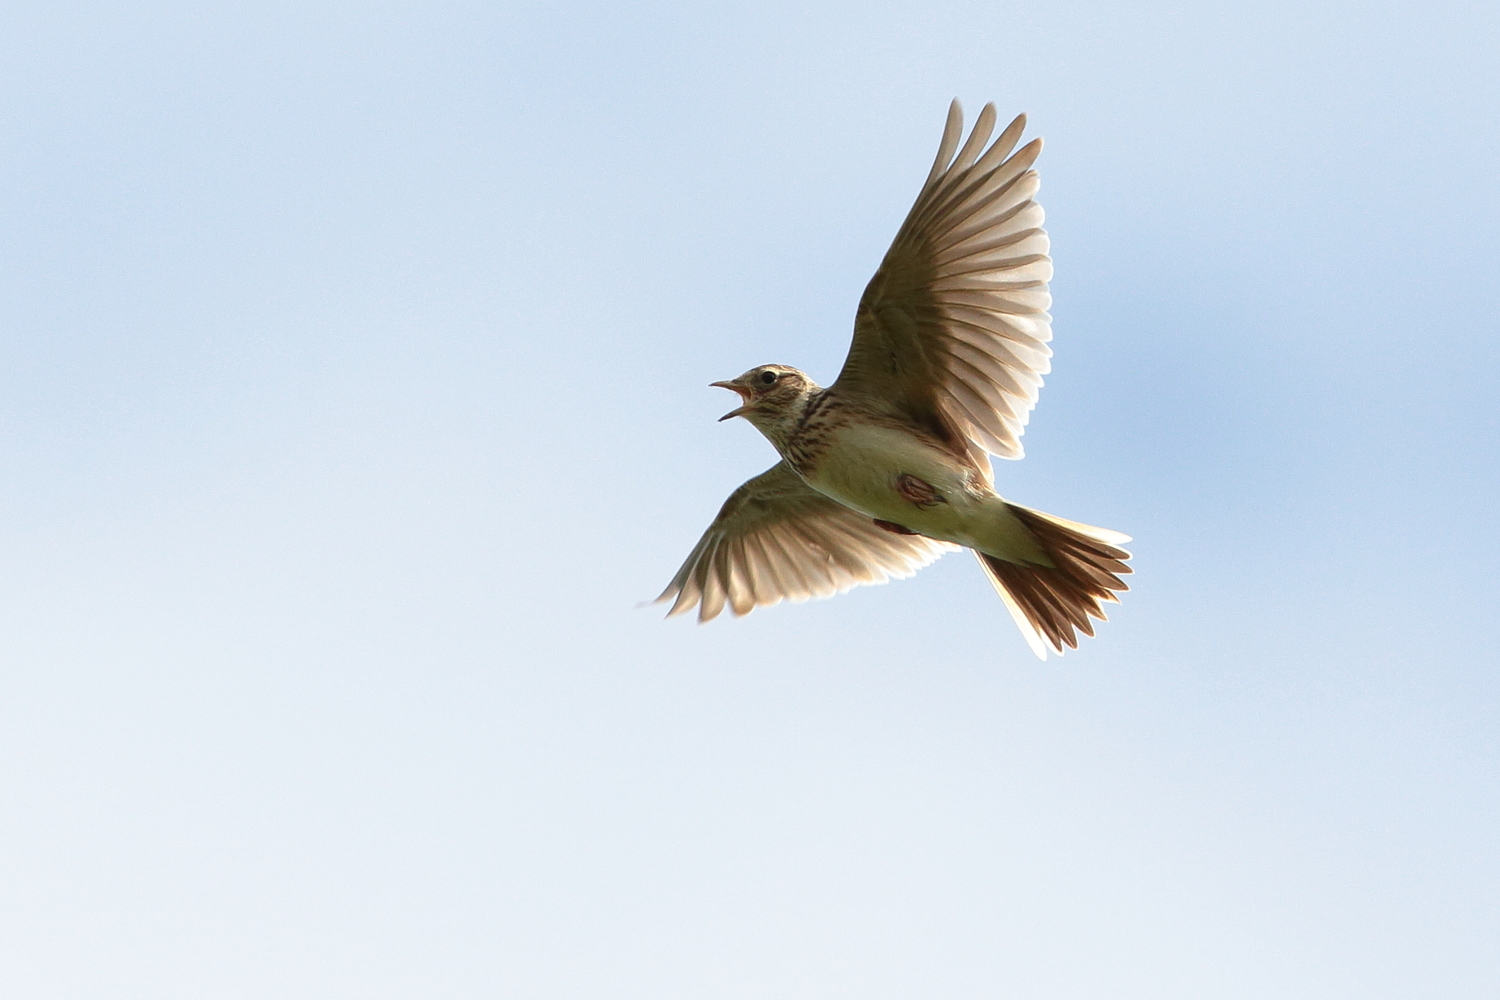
1050,602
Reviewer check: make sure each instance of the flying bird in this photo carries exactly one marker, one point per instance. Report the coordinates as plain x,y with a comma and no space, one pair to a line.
888,468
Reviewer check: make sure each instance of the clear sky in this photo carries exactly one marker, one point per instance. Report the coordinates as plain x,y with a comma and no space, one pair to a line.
354,365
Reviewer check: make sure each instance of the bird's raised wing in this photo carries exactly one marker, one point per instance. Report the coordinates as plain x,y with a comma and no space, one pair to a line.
777,539
952,330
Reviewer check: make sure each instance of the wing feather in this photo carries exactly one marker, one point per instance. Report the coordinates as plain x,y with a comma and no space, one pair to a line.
951,333
776,539
794,586
952,129
983,126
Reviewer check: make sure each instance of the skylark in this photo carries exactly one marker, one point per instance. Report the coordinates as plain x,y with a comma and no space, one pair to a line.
888,468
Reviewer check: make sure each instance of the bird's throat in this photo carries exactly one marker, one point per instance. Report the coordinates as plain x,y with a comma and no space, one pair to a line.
782,421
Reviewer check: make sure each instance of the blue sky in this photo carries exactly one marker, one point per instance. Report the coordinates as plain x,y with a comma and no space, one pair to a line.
353,392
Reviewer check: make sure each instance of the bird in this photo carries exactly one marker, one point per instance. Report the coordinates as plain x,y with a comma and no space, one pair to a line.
889,467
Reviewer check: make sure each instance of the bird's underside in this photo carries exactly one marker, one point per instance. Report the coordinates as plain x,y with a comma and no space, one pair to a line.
889,466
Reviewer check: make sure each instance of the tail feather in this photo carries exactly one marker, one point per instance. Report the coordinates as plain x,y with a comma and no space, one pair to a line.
1051,604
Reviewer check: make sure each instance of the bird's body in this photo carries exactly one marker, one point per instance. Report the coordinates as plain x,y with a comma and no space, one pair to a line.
888,467
863,460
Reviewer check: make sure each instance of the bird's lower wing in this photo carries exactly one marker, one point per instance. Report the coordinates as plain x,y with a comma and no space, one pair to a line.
777,539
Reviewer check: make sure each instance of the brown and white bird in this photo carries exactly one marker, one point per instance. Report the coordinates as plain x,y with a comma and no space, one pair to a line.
888,468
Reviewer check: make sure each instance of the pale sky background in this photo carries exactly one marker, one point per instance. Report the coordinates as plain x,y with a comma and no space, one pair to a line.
353,392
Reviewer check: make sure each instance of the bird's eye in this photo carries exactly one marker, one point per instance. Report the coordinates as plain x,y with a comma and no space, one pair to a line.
767,378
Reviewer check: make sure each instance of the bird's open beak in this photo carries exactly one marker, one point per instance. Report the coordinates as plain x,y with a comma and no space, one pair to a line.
744,397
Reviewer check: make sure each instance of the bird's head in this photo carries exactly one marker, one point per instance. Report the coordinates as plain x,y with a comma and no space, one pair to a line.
772,397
